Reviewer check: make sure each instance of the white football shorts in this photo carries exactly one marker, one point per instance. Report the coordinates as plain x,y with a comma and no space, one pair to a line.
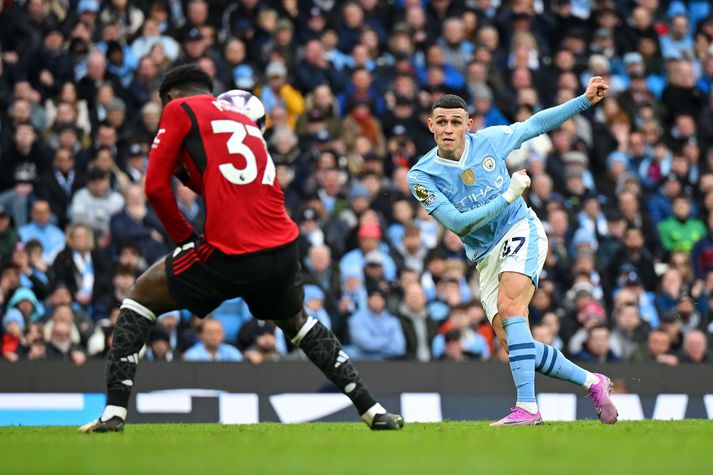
523,249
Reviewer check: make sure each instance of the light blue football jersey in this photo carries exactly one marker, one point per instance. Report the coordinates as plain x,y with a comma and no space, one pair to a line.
481,175
478,177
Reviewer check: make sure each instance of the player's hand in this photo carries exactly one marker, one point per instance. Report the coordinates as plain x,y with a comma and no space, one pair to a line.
596,90
519,182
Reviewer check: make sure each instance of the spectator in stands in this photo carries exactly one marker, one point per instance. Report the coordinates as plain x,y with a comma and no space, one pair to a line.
158,347
60,346
139,224
211,346
369,235
23,160
264,345
695,348
58,185
84,271
95,204
278,92
457,339
42,230
374,333
597,348
629,332
418,327
680,232
314,304
657,349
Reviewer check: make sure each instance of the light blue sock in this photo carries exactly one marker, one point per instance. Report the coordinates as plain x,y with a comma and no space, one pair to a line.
522,357
551,362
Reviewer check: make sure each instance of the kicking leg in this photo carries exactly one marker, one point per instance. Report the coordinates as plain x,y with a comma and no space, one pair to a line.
551,362
326,353
147,298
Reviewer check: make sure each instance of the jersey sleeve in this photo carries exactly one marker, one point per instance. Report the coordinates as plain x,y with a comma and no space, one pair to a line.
424,189
163,157
506,138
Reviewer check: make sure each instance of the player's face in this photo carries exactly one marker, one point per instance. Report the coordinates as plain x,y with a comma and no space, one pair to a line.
449,127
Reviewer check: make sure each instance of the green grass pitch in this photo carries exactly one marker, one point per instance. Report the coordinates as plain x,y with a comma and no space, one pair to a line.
632,448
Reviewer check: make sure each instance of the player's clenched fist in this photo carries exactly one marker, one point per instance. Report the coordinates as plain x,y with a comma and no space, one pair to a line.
596,90
519,182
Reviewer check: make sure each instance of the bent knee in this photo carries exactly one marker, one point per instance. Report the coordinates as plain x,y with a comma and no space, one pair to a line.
508,308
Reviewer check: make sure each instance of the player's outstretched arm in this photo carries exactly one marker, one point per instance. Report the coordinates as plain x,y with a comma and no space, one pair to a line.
551,118
465,223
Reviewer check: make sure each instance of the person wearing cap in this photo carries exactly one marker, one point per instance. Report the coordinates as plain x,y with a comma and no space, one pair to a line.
660,203
194,46
484,105
645,300
314,304
463,182
136,162
681,231
375,333
278,92
311,24
369,236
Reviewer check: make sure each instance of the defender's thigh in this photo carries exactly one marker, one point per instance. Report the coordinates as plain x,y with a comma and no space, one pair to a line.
281,296
151,289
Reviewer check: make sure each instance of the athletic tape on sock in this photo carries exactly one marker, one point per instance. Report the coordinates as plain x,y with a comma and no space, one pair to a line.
138,308
311,322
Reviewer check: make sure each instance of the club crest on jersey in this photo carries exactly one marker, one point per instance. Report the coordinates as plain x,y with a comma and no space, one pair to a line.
468,176
421,192
489,164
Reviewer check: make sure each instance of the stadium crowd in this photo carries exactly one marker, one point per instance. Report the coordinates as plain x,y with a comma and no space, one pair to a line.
625,190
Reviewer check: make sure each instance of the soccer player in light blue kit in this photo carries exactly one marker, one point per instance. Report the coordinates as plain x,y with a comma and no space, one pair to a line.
463,182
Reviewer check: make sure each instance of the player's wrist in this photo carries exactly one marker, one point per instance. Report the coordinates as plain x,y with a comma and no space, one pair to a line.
510,195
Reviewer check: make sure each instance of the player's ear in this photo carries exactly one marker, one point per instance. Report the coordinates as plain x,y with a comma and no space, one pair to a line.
470,123
430,124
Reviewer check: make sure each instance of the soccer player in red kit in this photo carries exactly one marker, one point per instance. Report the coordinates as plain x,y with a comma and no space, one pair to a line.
248,248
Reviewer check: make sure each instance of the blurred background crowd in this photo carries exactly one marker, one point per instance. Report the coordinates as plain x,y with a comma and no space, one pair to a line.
625,190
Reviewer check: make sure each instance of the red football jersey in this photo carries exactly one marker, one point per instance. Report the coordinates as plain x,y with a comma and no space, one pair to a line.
228,164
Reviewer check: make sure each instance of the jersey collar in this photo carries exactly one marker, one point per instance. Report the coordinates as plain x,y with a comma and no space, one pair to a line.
459,163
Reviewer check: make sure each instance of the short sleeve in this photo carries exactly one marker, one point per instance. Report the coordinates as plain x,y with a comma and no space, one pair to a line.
424,189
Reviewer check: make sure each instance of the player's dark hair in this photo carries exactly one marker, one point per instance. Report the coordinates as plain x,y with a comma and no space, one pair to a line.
188,76
450,101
